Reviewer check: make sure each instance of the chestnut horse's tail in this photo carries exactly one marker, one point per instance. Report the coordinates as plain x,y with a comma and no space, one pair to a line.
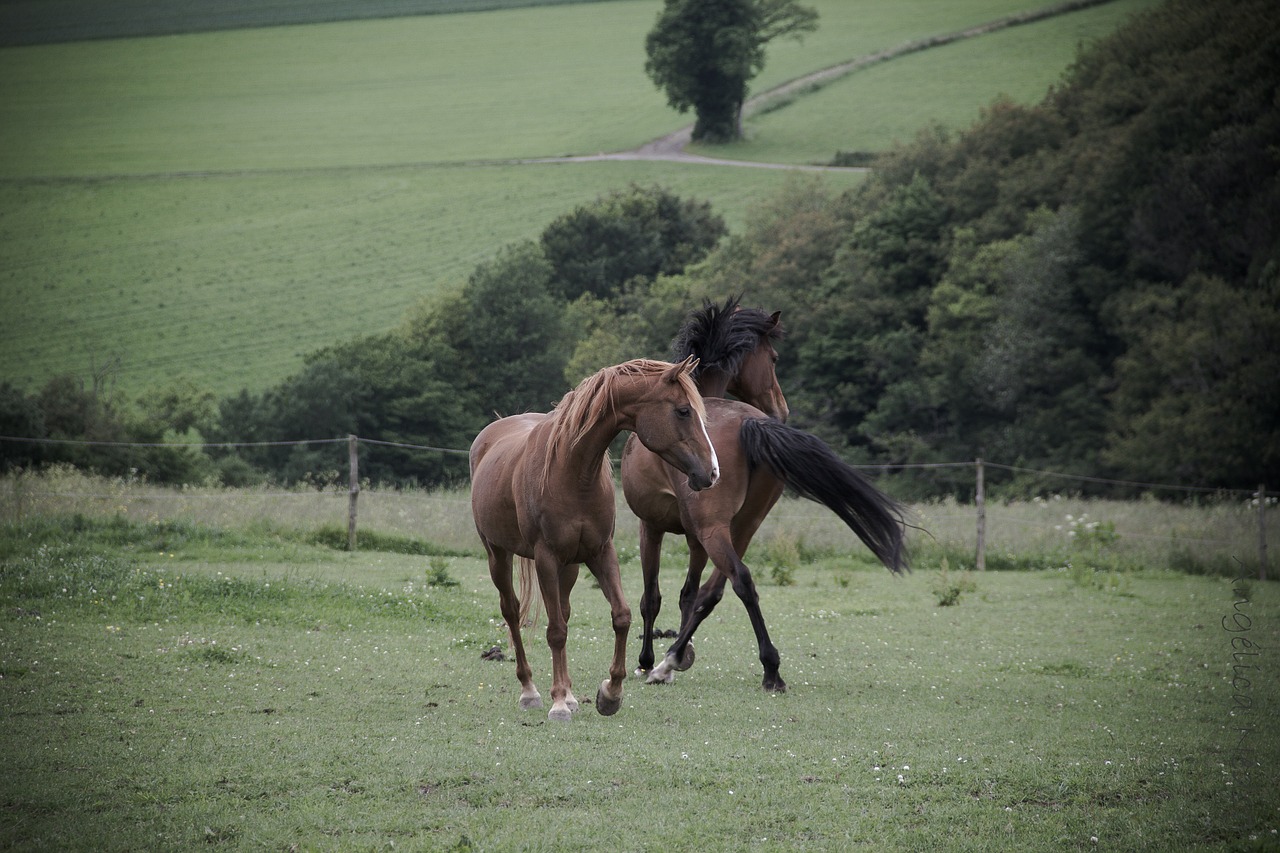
530,600
806,464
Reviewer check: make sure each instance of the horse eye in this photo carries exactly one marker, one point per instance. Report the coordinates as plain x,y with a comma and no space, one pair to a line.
683,411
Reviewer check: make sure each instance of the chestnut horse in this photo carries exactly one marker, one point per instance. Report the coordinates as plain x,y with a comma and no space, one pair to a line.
542,488
759,456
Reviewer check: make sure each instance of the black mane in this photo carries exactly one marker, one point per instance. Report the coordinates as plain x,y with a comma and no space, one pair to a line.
722,336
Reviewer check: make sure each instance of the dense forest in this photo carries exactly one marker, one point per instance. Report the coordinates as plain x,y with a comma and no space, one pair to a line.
1088,285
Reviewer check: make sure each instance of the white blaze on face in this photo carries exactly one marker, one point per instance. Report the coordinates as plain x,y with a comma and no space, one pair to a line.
715,460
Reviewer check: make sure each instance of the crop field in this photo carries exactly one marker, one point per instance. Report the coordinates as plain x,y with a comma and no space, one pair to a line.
216,205
190,679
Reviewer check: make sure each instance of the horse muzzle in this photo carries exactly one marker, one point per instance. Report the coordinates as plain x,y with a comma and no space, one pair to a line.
699,480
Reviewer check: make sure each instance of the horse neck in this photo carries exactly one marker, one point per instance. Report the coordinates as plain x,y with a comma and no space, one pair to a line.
713,383
580,462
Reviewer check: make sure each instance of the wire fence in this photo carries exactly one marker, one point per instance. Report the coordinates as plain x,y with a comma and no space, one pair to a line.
982,527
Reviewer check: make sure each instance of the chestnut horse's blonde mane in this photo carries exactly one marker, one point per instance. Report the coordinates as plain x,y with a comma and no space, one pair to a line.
585,405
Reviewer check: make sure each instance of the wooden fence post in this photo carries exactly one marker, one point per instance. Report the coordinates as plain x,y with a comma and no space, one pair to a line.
353,453
1262,531
980,498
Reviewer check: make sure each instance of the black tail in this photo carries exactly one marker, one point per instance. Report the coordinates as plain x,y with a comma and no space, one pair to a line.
807,465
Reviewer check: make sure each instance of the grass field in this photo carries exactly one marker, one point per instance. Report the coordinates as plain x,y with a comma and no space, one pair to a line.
51,21
872,109
217,205
174,684
231,279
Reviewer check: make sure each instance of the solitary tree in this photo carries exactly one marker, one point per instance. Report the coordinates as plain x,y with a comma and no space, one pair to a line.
702,53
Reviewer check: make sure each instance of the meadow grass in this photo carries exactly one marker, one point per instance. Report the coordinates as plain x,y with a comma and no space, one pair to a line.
1074,536
296,186
324,700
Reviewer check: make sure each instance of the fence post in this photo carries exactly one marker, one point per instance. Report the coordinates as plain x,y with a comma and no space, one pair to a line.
353,453
1262,531
980,498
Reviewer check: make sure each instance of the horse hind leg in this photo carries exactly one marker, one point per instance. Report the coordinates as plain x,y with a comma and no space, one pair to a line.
745,588
509,604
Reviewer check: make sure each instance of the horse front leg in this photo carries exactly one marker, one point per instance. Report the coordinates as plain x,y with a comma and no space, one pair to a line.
605,568
688,595
552,581
729,566
568,577
664,673
509,605
695,605
651,597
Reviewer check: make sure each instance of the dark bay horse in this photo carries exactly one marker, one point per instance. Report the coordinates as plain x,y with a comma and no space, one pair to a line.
542,489
760,457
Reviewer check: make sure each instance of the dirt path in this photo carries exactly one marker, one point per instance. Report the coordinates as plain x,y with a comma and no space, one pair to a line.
672,146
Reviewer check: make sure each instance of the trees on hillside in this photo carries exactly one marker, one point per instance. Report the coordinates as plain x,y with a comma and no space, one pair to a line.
1087,285
641,232
702,54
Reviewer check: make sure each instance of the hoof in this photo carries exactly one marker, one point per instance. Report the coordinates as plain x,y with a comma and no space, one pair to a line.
686,659
775,685
606,706
527,702
560,715
663,673
571,702
656,677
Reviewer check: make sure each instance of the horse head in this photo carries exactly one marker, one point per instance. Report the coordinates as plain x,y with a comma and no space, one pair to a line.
756,380
736,354
672,424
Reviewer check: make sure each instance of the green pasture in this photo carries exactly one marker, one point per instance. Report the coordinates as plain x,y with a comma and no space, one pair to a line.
230,279
874,108
216,205
50,21
172,683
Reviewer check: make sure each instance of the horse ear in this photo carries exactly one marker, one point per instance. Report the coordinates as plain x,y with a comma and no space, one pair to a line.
684,368
774,318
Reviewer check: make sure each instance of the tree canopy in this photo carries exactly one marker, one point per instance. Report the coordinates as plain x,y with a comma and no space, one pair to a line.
703,53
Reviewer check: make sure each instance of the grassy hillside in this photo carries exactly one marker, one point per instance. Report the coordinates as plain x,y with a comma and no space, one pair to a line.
231,279
873,108
218,205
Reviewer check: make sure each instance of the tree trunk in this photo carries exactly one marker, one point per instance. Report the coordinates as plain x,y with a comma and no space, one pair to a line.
719,117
